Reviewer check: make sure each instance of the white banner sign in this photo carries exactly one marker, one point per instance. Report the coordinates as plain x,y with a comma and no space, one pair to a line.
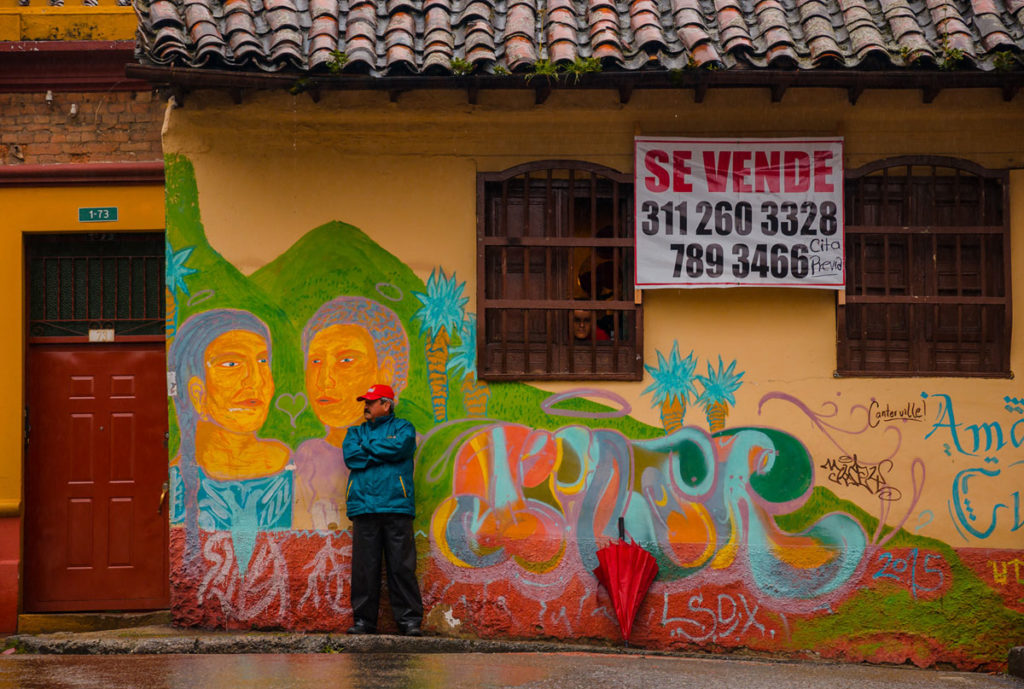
722,213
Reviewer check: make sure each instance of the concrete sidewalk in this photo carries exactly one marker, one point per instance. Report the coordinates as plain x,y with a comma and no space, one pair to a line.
159,639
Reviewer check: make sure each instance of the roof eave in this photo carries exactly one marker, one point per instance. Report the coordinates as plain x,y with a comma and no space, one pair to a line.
184,79
32,66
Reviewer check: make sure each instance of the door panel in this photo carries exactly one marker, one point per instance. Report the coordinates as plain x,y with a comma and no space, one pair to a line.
95,531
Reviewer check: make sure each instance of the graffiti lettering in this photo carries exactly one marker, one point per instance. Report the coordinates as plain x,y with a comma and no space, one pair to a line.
328,574
977,512
995,437
1000,571
906,570
911,412
924,519
720,622
264,585
848,471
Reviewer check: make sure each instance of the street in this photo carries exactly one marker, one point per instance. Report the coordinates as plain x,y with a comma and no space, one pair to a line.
461,671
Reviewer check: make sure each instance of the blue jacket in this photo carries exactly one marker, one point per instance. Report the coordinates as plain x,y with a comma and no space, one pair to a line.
379,457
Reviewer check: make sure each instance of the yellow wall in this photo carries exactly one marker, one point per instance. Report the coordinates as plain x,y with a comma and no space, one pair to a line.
73,22
405,173
47,209
319,159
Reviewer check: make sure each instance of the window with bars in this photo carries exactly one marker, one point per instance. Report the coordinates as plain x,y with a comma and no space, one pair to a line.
555,274
80,282
927,270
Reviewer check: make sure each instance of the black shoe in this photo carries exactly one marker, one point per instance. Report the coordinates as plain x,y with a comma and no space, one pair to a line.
410,630
361,627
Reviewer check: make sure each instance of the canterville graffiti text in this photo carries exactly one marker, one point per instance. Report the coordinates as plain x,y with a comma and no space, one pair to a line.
911,411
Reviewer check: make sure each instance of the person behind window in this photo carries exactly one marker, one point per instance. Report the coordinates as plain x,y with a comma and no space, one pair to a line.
587,324
601,283
585,328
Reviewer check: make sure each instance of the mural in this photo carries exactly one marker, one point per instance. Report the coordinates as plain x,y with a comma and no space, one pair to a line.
761,544
225,477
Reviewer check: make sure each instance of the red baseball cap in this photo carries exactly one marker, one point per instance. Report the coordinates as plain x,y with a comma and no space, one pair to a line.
377,392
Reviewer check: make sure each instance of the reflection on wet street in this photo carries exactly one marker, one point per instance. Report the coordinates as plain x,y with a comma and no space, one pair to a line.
460,671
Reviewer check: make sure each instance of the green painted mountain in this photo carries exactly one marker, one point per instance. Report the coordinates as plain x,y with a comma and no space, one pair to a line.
218,284
339,259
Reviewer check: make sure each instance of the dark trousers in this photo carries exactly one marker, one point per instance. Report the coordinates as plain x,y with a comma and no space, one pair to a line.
392,535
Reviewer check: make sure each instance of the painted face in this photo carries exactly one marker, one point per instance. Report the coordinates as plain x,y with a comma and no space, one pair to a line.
239,385
341,365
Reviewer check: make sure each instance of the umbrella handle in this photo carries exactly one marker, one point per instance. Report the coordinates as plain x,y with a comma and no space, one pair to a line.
622,529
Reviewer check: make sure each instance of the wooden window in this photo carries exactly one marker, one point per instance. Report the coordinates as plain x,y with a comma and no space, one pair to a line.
927,270
555,274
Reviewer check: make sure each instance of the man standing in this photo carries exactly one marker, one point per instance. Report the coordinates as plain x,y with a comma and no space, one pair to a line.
379,455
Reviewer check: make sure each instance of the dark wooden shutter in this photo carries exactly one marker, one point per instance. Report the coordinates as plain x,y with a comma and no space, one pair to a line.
928,283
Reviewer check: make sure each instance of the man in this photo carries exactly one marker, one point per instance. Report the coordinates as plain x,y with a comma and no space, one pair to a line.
380,503
583,327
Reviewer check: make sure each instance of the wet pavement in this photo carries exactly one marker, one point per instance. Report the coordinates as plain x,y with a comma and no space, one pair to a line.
163,656
462,671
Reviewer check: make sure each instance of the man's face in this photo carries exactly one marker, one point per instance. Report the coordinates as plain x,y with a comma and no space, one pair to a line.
375,409
581,325
238,386
340,365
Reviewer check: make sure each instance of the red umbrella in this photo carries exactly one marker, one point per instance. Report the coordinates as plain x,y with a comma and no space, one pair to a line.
626,570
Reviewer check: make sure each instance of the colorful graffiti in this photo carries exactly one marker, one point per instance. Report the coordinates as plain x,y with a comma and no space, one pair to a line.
702,503
442,313
673,387
980,492
761,542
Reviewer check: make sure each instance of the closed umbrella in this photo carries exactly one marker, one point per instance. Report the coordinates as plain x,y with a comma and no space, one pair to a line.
626,570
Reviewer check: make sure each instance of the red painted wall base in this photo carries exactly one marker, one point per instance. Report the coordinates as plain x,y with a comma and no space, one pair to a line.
10,556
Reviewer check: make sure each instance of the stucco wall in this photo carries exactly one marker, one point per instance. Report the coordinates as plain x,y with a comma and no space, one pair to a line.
278,205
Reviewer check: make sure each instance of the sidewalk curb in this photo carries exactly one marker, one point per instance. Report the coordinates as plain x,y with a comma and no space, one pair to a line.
164,640
170,640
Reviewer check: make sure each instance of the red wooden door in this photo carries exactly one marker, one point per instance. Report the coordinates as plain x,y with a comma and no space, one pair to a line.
95,529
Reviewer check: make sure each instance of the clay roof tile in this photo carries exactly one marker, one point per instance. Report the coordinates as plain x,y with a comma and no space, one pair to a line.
380,36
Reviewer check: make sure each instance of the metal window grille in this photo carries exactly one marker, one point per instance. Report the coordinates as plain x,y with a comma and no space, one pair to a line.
555,274
928,279
82,282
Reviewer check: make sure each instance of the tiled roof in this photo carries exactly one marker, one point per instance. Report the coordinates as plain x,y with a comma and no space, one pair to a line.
403,37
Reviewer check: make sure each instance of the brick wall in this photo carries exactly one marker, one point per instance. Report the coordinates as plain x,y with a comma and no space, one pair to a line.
109,126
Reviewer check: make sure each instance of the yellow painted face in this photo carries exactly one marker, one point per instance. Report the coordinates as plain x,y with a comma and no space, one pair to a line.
239,386
341,364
